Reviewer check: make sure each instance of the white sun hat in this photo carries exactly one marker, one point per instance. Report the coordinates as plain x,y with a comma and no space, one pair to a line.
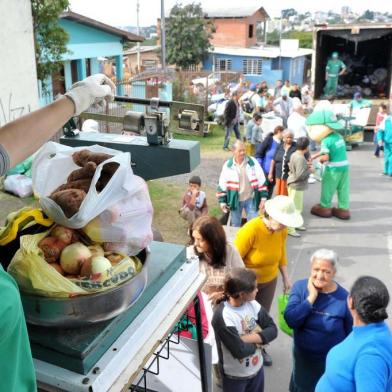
282,209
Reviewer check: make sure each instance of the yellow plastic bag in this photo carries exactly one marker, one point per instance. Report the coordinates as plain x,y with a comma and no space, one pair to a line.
35,276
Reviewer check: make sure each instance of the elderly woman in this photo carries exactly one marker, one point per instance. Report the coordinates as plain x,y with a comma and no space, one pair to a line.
363,361
216,255
318,313
262,245
279,169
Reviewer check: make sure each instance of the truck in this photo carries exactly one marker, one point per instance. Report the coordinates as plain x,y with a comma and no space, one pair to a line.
366,50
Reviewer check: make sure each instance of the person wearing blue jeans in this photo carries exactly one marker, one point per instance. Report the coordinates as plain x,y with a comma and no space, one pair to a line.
242,185
231,119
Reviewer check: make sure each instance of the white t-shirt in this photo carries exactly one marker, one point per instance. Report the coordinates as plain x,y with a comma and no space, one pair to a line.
297,124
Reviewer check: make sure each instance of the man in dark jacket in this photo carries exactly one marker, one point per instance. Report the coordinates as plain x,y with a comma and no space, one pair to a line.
231,119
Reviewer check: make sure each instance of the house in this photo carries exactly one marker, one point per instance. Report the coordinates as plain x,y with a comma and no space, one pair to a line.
90,43
263,63
238,26
149,58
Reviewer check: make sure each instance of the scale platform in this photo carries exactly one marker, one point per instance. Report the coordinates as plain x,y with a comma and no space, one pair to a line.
79,349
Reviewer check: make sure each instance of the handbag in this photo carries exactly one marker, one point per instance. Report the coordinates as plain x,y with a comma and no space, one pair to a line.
283,299
231,231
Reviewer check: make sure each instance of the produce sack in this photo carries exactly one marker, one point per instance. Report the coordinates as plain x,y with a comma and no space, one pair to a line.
35,276
51,168
283,299
125,227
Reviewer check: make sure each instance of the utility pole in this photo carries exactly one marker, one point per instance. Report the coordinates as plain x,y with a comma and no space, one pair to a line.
163,36
280,41
138,33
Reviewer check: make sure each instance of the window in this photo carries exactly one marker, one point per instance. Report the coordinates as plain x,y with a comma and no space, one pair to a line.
149,64
222,64
252,67
250,31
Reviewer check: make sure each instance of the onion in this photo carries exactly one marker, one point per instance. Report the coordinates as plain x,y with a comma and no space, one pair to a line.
96,250
100,264
51,248
63,233
73,256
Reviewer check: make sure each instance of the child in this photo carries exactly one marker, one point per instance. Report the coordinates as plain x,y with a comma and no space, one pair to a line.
381,115
241,327
194,202
384,137
254,134
297,181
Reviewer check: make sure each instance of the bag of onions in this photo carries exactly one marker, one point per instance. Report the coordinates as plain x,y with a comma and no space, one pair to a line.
57,263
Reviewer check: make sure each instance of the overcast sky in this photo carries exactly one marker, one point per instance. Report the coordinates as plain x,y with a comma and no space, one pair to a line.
123,12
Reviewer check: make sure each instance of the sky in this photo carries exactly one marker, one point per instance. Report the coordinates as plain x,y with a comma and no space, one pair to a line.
123,12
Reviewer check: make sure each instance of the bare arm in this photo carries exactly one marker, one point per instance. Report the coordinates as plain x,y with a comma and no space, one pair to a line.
24,136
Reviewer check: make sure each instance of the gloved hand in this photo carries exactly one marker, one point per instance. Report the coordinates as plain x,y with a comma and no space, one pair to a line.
93,90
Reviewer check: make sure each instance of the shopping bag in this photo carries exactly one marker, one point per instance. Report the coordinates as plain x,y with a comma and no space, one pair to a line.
283,299
231,231
51,167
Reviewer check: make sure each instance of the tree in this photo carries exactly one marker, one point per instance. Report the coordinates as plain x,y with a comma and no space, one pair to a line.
49,38
288,12
188,35
369,15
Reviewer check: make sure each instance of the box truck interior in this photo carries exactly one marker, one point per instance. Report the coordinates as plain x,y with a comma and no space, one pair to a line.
367,53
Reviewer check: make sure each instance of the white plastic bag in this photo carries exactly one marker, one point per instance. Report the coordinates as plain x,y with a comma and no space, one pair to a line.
19,184
53,164
125,227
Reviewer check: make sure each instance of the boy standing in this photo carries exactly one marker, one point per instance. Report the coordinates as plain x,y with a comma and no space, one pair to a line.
194,202
297,181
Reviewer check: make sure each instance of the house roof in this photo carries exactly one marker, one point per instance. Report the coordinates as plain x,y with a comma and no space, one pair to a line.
70,15
266,51
142,49
234,11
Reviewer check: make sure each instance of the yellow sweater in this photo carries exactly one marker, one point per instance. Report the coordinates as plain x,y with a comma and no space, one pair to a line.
263,251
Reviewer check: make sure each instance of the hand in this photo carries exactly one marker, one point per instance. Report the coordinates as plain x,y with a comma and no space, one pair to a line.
286,285
93,90
380,143
224,207
251,338
313,293
270,178
262,205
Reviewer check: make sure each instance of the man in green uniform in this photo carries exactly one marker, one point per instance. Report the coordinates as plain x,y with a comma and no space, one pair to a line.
333,70
335,178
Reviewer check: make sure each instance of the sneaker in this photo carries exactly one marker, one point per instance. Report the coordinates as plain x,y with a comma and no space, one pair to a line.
267,360
294,234
311,180
302,228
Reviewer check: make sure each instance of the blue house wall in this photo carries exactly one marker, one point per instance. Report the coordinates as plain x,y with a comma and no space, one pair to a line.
85,43
291,68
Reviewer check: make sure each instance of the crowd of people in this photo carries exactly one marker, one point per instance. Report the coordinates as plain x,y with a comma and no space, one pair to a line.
341,341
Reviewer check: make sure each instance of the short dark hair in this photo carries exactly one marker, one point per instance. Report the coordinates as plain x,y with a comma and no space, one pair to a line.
195,180
278,129
239,280
302,143
384,106
211,230
370,299
256,116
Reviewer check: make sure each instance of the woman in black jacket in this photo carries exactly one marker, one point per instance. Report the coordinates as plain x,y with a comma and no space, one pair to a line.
231,119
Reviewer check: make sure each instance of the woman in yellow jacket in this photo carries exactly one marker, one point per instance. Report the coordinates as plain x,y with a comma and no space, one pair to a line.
261,243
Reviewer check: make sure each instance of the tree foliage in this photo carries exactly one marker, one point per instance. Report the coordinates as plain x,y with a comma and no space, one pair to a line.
305,38
188,35
49,38
288,12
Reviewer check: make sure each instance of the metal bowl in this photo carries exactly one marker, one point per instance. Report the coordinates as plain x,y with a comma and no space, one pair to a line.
86,309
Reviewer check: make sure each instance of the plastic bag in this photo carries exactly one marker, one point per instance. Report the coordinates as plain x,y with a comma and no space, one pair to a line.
19,184
283,299
125,227
35,276
51,167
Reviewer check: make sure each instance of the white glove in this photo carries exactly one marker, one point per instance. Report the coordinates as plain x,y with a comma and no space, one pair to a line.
94,90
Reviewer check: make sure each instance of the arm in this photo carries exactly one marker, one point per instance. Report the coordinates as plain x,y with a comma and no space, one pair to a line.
371,373
221,193
189,200
262,187
271,171
283,264
269,330
297,309
244,241
204,207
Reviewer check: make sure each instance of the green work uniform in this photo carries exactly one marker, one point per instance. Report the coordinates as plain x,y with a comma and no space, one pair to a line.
16,363
336,174
333,69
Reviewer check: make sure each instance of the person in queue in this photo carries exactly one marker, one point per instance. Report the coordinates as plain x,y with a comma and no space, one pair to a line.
363,361
318,313
18,140
261,243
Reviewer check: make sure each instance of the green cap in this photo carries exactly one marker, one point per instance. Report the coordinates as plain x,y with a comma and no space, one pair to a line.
335,55
324,117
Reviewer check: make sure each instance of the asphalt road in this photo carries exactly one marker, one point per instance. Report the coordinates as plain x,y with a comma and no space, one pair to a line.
364,245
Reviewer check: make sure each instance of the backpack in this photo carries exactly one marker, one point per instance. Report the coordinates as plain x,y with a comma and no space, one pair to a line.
247,105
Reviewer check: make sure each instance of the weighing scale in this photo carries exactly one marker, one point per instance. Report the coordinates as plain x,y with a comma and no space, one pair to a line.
64,357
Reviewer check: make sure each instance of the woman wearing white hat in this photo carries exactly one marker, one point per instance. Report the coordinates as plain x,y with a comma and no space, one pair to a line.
262,245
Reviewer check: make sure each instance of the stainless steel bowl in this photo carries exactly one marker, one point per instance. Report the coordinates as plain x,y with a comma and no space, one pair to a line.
86,309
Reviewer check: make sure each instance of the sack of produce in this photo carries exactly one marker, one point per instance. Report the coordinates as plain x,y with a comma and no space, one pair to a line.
77,185
58,263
